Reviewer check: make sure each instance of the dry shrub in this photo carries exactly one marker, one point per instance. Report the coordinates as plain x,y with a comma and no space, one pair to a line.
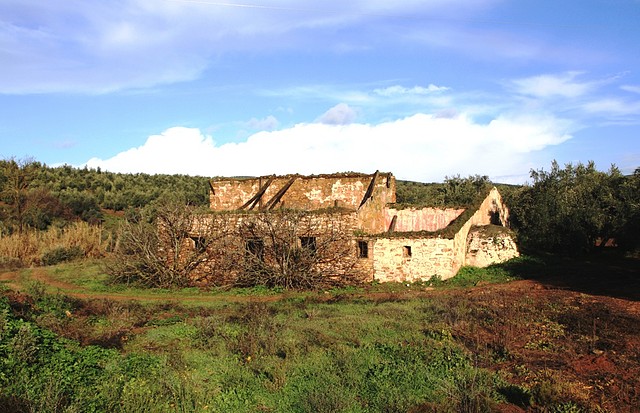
296,250
29,247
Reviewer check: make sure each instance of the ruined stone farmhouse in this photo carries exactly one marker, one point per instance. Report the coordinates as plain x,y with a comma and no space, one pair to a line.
354,217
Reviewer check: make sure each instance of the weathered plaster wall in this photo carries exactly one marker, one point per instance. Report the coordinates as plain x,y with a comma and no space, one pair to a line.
489,247
371,216
424,219
307,192
429,257
438,256
491,211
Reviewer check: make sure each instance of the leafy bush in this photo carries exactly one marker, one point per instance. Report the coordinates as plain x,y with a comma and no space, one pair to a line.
10,263
573,208
62,254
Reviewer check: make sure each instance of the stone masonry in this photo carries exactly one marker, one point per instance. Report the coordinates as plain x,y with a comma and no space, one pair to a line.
389,243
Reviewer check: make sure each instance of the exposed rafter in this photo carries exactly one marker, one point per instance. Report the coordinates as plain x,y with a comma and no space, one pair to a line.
369,192
392,225
276,198
251,203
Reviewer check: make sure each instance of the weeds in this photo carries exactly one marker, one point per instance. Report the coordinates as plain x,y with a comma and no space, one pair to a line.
53,246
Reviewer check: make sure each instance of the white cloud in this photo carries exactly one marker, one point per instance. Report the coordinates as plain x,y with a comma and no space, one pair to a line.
61,45
557,85
340,114
416,90
421,147
268,123
612,107
631,88
177,150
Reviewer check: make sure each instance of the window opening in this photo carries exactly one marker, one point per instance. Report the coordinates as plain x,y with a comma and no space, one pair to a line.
200,244
406,251
255,247
363,249
309,243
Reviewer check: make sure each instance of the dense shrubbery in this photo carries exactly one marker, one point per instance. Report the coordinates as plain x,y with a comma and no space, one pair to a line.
455,191
190,238
575,208
33,195
160,258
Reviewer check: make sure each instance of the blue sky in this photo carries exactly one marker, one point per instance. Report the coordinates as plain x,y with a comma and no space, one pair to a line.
425,89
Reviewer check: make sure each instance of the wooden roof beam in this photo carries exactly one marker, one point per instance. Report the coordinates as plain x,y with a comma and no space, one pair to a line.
369,192
276,198
251,203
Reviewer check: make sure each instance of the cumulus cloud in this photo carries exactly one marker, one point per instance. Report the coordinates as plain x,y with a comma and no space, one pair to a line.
177,150
421,147
340,114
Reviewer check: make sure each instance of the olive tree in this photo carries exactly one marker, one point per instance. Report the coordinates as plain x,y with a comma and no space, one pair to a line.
575,208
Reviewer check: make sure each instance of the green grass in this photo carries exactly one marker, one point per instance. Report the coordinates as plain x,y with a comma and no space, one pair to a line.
88,278
473,276
285,356
337,350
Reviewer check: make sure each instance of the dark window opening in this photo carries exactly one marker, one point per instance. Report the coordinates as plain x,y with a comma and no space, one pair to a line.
363,249
309,243
406,251
255,247
200,244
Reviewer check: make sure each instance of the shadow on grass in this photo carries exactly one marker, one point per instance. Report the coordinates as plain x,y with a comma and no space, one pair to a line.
606,273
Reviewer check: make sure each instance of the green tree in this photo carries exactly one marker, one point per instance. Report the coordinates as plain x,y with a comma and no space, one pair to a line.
16,178
573,208
42,209
464,191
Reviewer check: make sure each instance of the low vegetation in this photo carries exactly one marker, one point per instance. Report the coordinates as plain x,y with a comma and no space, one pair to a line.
32,247
392,347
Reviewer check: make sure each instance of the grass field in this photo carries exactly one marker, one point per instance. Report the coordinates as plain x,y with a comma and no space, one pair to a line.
515,337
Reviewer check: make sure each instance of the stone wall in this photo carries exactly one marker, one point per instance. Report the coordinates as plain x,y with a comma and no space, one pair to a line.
227,234
390,257
305,192
412,259
420,258
489,245
491,211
